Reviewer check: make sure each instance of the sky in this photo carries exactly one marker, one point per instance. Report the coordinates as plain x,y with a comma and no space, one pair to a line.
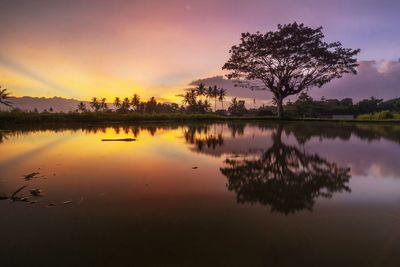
80,49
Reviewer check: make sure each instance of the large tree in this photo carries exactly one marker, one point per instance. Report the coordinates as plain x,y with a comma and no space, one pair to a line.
288,61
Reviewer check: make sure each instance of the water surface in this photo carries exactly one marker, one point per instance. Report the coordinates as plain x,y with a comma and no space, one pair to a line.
256,194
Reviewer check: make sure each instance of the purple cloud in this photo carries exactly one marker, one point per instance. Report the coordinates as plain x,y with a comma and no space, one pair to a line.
378,79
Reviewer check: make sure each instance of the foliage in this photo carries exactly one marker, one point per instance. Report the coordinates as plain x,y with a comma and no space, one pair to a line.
82,107
237,107
383,115
18,116
194,100
306,106
368,105
4,95
288,61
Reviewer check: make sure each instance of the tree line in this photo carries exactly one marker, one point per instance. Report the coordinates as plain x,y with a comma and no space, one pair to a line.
194,100
306,106
125,105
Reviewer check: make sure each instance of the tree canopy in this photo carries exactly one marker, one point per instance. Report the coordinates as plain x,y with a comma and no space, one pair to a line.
288,61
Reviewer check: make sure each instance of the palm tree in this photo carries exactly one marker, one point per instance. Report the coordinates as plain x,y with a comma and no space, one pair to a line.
135,101
125,104
103,104
4,95
117,102
189,97
94,103
186,98
206,104
212,93
221,96
201,90
82,107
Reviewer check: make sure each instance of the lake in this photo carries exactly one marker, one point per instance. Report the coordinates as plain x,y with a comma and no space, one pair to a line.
225,194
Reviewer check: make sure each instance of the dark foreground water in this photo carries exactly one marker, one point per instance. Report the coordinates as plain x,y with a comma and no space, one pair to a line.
293,194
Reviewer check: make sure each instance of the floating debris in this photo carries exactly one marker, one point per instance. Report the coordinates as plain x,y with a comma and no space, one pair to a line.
36,192
31,176
67,202
14,195
33,202
51,204
120,140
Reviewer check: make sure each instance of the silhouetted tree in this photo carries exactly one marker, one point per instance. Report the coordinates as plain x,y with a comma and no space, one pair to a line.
103,104
151,105
95,104
117,103
221,96
287,61
237,107
135,102
212,93
368,105
125,105
192,103
4,95
201,90
82,107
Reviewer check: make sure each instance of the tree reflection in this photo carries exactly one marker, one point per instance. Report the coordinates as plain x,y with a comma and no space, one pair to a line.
201,137
285,177
237,129
3,136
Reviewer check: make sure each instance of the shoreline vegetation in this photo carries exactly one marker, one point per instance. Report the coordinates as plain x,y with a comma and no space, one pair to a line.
19,117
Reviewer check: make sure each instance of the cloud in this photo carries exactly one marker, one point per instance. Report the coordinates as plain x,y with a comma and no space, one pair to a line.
380,79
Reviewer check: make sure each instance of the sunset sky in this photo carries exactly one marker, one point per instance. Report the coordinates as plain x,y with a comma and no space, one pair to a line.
79,49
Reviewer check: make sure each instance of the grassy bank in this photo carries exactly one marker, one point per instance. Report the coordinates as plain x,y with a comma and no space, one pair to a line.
383,115
92,117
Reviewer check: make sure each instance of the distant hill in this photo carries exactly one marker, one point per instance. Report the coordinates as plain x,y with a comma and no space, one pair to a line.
58,104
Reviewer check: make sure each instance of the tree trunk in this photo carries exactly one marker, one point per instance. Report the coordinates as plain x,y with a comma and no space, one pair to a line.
279,105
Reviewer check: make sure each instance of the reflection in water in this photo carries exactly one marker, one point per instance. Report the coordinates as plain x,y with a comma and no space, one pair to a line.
144,203
200,136
285,177
3,136
236,129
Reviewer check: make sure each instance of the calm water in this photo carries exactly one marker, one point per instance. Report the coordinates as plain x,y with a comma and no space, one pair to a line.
304,194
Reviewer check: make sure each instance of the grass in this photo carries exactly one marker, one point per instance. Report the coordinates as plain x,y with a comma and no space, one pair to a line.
100,117
379,116
32,117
